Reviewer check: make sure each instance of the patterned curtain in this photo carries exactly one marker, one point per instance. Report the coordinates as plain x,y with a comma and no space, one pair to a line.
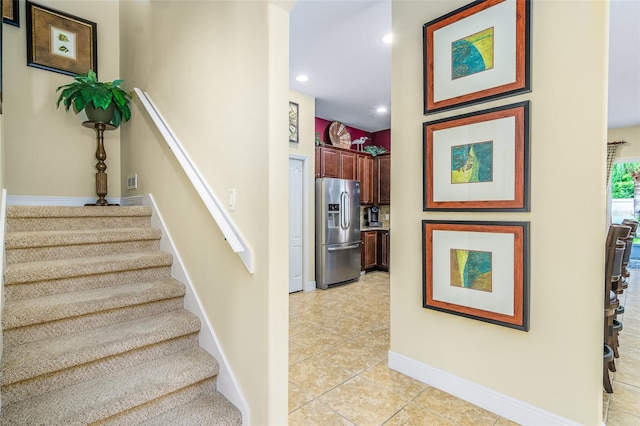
612,148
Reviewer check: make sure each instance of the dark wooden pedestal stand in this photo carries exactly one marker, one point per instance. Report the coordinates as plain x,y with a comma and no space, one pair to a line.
101,155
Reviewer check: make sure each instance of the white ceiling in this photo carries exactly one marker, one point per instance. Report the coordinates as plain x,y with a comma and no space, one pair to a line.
338,45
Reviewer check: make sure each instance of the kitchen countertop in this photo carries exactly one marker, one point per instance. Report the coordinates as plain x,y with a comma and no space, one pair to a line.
374,228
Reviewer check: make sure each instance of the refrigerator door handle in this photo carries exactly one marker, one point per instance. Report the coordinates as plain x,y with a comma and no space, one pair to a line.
346,211
352,246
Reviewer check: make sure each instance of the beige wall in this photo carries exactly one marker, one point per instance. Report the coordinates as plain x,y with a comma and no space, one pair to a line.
1,154
217,71
631,135
307,147
557,365
51,153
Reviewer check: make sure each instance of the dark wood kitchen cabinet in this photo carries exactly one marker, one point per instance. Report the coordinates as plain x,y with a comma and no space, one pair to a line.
336,163
375,250
369,253
349,165
365,176
329,164
318,162
383,250
382,179
374,173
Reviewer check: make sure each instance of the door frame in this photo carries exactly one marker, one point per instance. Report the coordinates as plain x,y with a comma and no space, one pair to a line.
308,284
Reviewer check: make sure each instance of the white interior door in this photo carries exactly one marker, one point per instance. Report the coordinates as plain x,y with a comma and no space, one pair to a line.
296,220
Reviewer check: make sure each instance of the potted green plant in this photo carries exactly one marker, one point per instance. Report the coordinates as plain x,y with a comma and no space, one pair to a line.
104,102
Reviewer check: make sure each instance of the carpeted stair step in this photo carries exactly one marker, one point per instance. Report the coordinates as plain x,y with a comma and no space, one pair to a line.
38,318
212,409
21,273
149,387
48,218
46,288
47,365
51,245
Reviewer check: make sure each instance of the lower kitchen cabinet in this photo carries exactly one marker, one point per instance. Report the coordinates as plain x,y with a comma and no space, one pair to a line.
369,255
375,250
383,250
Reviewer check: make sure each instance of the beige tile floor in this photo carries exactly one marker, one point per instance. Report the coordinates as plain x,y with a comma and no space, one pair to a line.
338,374
622,407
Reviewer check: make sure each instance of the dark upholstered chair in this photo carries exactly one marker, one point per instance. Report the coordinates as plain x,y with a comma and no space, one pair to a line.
615,245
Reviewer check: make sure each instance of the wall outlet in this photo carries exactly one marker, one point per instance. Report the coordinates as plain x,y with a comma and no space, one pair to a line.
132,181
386,216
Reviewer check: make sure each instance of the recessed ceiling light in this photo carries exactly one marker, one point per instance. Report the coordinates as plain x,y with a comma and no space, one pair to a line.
302,78
388,38
382,109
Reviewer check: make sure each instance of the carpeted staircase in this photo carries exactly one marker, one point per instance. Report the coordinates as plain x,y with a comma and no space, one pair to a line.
94,329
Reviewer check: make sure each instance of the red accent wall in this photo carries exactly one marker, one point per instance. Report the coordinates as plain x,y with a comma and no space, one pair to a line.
381,138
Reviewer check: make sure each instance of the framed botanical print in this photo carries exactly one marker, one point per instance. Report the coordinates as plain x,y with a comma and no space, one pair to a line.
59,42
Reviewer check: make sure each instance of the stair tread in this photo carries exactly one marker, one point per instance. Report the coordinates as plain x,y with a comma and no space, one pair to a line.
46,356
63,268
33,239
105,396
212,409
76,211
19,313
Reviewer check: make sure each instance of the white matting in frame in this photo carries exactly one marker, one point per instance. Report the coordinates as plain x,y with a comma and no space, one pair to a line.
502,18
500,298
502,133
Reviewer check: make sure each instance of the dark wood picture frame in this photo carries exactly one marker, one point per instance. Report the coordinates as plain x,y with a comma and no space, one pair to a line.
499,67
11,12
506,303
507,129
60,42
294,122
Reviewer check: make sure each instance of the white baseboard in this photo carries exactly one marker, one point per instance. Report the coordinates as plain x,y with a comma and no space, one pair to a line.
310,286
135,200
37,200
33,200
226,382
500,404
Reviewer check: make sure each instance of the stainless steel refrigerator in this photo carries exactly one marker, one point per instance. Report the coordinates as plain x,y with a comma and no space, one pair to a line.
337,231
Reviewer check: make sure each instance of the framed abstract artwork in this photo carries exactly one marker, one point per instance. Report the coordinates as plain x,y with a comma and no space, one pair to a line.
476,53
11,12
478,270
293,123
59,42
478,161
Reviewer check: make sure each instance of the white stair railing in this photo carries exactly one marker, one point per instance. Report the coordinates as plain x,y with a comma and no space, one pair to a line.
224,222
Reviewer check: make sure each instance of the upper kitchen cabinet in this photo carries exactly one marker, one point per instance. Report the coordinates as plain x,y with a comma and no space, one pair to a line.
329,162
382,194
349,165
365,176
374,173
336,163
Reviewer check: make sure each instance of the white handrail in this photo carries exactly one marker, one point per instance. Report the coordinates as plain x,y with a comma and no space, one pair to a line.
228,228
